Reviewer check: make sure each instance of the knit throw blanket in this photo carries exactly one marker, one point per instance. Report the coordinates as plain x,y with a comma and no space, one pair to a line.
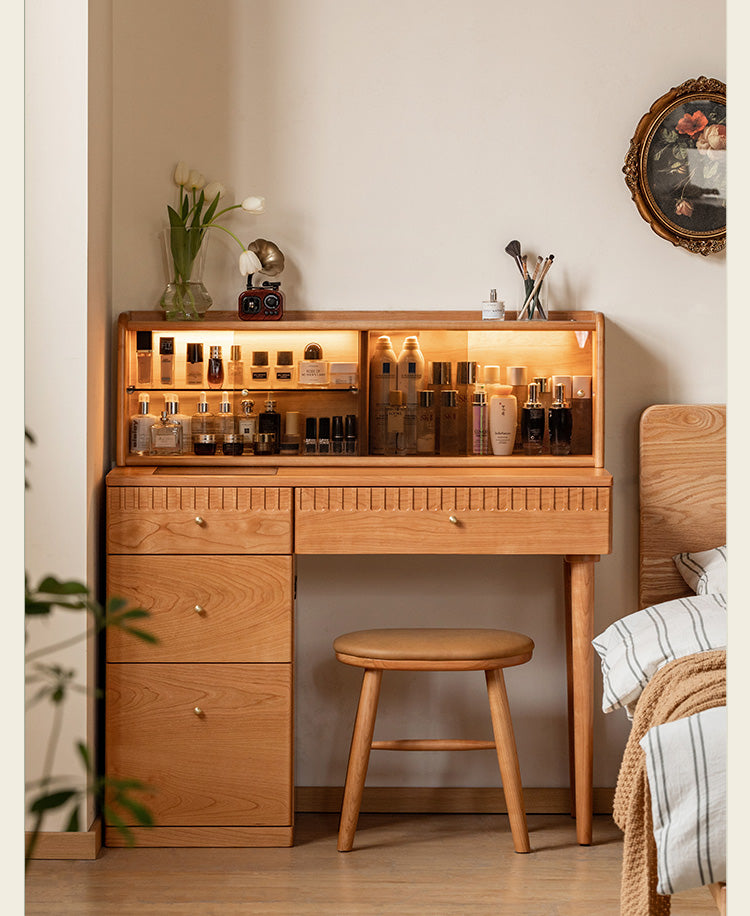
681,688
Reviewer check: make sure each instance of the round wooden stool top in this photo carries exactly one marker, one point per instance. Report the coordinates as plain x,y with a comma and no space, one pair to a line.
433,648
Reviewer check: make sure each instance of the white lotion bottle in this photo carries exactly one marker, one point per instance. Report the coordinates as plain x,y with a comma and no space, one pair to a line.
503,414
383,379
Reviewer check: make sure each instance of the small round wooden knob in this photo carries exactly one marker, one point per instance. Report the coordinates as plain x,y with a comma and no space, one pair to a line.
199,520
452,519
198,711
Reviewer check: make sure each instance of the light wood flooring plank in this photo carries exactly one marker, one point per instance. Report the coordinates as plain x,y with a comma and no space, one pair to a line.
401,864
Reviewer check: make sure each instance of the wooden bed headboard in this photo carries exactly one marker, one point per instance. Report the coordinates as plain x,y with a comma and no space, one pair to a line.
682,481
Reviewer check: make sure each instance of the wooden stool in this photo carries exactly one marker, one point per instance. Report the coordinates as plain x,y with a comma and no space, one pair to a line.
433,649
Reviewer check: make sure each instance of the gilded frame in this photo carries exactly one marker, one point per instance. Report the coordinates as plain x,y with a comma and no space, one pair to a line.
676,166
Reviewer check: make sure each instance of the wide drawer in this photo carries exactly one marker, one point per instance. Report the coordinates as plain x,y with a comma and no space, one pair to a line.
195,520
453,520
213,741
205,609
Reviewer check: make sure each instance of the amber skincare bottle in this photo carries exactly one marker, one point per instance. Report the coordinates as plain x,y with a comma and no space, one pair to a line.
580,405
194,364
235,368
324,436
383,371
166,360
144,357
560,423
270,422
311,435
532,423
544,396
166,436
290,440
350,434
247,426
448,443
140,427
426,422
312,371
215,370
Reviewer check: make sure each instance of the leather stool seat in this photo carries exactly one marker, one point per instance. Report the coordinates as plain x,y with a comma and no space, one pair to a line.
433,649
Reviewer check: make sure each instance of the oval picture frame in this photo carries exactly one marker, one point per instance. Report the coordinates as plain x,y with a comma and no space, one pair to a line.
676,166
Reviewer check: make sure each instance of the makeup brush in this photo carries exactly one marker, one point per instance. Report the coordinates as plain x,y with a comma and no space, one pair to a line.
513,248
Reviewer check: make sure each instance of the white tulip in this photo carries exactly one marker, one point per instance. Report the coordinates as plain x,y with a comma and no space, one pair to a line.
213,188
181,174
196,180
254,204
249,263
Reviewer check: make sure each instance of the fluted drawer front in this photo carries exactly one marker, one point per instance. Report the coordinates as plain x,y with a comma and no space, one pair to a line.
214,741
445,520
217,609
196,520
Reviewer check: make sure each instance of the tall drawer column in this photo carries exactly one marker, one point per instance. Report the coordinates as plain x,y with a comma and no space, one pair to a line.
204,717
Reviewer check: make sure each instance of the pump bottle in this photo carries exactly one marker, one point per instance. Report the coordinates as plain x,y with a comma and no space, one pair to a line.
383,379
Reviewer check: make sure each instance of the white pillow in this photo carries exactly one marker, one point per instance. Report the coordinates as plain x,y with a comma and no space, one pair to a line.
686,762
633,648
705,571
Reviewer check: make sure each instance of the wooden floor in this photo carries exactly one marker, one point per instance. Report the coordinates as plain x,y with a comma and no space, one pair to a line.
437,864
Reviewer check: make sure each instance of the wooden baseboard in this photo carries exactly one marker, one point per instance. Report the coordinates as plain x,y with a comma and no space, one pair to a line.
446,800
209,837
75,845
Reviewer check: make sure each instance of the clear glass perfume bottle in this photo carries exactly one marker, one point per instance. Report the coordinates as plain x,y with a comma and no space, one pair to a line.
259,369
235,368
247,426
166,436
312,371
140,427
226,424
283,372
172,407
202,423
560,423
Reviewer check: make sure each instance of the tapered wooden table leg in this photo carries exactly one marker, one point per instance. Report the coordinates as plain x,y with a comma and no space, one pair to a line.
581,586
359,757
507,756
569,677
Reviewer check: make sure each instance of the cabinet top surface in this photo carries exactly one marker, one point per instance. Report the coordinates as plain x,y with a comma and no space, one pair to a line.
365,476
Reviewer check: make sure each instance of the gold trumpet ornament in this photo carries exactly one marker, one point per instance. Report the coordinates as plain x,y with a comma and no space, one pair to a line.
264,302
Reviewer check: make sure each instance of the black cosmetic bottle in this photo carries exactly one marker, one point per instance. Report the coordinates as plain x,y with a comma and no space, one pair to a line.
560,424
270,422
532,423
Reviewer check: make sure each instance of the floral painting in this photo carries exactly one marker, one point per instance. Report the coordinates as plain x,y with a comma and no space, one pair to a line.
686,166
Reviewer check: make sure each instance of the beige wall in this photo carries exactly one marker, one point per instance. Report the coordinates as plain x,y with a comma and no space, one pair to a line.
400,147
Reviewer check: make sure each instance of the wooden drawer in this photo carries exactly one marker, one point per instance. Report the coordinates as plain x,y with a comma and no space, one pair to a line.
229,765
453,520
195,520
205,609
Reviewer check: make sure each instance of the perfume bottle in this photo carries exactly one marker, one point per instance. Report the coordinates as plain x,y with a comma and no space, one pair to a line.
448,442
166,360
226,424
269,422
144,357
426,422
480,427
194,364
503,414
410,373
311,436
166,436
259,369
580,405
290,440
235,368
396,423
350,434
383,371
172,407
492,309
140,427
516,378
202,424
337,435
532,423
324,436
247,426
215,369
560,423
283,373
466,379
312,371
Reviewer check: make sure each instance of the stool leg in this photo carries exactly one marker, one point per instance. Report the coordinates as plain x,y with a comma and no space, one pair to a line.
507,757
359,756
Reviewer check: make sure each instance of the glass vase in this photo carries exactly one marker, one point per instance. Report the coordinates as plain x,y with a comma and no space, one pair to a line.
185,298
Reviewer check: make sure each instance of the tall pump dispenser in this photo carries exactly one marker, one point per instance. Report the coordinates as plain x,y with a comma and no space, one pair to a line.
140,427
383,380
410,374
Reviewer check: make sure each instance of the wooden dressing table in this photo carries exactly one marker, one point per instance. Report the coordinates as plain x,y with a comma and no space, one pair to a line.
208,545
